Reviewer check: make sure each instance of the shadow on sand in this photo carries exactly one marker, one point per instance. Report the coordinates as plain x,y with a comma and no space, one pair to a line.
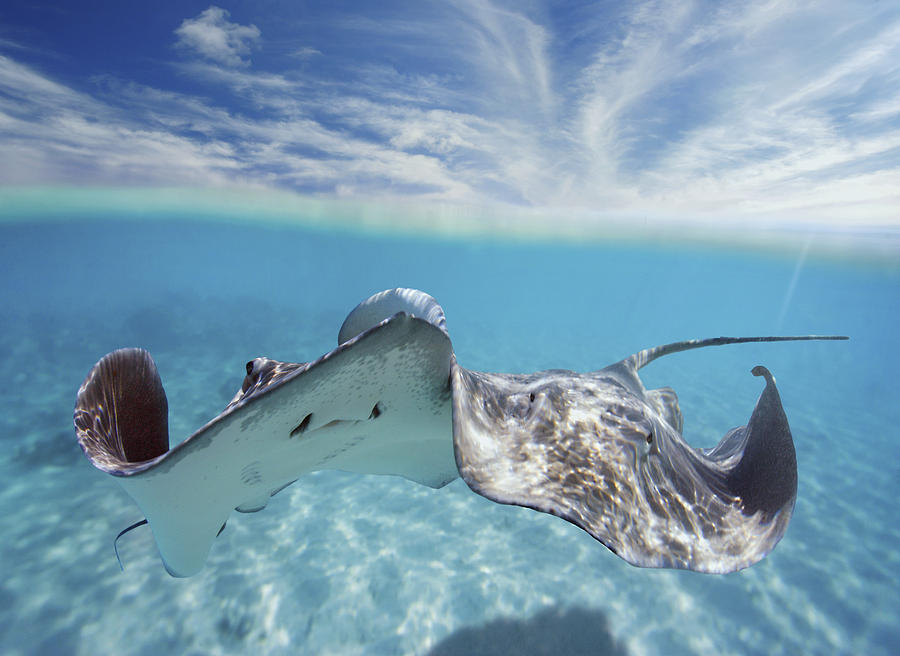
571,631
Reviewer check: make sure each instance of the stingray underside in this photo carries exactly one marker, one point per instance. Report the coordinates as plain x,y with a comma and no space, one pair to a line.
603,453
379,403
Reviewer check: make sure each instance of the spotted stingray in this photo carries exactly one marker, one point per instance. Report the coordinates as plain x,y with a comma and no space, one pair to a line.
597,449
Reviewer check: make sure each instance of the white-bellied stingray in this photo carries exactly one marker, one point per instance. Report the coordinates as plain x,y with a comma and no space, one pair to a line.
596,449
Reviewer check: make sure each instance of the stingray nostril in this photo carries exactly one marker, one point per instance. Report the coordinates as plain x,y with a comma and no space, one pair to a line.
376,411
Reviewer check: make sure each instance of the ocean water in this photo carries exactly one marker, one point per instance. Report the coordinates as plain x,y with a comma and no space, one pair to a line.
348,564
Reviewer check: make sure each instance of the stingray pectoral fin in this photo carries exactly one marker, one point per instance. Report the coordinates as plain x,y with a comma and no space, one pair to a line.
665,401
121,412
378,404
588,449
185,515
121,420
764,478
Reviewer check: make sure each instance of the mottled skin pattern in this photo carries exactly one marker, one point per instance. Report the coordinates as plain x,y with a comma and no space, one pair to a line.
262,374
602,453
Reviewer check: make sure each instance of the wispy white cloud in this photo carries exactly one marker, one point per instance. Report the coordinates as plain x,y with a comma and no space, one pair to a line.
667,109
212,36
884,109
306,52
9,44
507,47
52,133
752,142
851,71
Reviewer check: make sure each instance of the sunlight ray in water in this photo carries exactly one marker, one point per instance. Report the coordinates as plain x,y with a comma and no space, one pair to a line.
792,285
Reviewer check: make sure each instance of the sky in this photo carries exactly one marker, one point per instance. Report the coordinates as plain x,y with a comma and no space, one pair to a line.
779,113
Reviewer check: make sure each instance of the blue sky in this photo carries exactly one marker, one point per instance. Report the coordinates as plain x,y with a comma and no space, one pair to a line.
769,112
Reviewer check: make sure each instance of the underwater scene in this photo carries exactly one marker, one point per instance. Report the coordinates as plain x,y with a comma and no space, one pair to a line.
345,563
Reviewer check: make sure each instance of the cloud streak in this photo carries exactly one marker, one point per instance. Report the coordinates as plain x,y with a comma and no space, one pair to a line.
781,112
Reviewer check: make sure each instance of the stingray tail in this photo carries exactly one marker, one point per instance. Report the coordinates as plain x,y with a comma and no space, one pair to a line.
645,357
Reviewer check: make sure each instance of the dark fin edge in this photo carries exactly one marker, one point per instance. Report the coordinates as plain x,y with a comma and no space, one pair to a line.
765,478
121,533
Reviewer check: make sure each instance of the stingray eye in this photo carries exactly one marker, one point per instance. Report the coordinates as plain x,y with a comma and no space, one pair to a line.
650,437
531,397
250,367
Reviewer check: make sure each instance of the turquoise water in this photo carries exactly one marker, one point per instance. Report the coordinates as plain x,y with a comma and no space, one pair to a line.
349,564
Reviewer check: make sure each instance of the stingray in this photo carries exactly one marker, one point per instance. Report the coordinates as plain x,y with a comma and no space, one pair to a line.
596,449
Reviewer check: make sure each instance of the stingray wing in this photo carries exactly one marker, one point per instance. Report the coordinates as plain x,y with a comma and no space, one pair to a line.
596,451
379,403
